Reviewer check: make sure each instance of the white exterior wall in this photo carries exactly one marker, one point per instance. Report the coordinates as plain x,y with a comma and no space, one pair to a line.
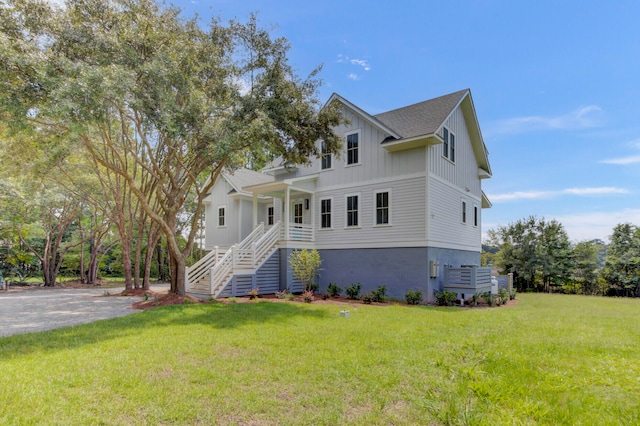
226,236
407,219
451,183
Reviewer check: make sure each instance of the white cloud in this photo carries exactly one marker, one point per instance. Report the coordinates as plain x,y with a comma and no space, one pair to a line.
587,226
581,118
536,195
363,63
353,76
630,159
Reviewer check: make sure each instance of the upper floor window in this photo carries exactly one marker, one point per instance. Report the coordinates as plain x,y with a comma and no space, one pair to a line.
325,213
353,148
326,157
352,210
382,208
221,216
449,145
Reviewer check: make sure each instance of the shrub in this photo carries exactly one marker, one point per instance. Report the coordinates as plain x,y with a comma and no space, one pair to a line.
379,294
282,294
488,297
474,299
445,298
503,294
353,291
305,264
308,296
334,290
413,297
368,298
512,296
290,297
254,293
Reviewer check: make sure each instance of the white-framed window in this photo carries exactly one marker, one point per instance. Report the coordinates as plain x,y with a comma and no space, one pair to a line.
449,145
353,148
382,200
326,157
475,216
464,212
325,213
352,210
297,212
221,216
270,215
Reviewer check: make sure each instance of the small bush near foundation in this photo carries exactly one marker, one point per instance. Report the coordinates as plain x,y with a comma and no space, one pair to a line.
282,294
413,297
290,297
353,291
308,296
379,294
333,290
445,298
503,295
488,297
368,298
254,293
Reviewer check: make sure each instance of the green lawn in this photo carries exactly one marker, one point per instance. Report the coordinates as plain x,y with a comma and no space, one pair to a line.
551,359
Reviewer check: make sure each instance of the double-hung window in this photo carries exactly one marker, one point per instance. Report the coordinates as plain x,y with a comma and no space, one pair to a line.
383,208
326,157
221,216
325,213
352,211
449,145
353,148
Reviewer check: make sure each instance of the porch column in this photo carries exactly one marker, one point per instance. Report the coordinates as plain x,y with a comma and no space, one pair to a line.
313,216
255,211
287,201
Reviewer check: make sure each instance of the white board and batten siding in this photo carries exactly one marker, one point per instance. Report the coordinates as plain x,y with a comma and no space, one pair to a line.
375,163
227,235
463,173
451,184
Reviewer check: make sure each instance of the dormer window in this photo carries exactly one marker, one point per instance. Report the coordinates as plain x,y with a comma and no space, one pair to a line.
449,145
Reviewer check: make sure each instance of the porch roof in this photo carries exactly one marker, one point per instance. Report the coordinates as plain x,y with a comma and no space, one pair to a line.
304,184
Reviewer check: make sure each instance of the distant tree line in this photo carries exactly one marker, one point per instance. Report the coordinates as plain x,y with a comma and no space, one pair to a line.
542,259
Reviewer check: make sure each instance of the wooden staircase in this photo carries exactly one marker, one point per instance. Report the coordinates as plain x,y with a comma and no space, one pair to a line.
211,274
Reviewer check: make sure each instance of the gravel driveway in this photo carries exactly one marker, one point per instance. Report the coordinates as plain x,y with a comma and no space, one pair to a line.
38,309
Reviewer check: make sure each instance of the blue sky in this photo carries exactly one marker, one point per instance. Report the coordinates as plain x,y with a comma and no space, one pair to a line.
555,86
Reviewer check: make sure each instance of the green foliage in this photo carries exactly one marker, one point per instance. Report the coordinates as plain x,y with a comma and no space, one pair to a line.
488,297
334,290
622,262
254,293
353,291
445,298
503,295
379,294
413,297
305,264
368,298
536,251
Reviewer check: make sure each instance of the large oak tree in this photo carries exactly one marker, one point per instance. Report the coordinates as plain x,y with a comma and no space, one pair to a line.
149,93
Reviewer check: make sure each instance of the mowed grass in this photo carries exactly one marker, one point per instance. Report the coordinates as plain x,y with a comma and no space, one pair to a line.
551,359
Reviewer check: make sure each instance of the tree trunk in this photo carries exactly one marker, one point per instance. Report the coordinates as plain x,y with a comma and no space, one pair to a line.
126,264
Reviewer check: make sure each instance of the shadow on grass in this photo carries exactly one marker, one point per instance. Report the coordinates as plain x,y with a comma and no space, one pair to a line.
215,315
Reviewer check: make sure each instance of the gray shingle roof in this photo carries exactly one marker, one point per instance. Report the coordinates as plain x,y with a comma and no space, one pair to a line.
244,177
423,118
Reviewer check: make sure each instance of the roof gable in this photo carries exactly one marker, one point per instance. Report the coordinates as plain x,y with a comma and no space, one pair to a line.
423,118
240,178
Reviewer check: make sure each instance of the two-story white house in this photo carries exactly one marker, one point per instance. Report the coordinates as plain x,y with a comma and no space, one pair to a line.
400,205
